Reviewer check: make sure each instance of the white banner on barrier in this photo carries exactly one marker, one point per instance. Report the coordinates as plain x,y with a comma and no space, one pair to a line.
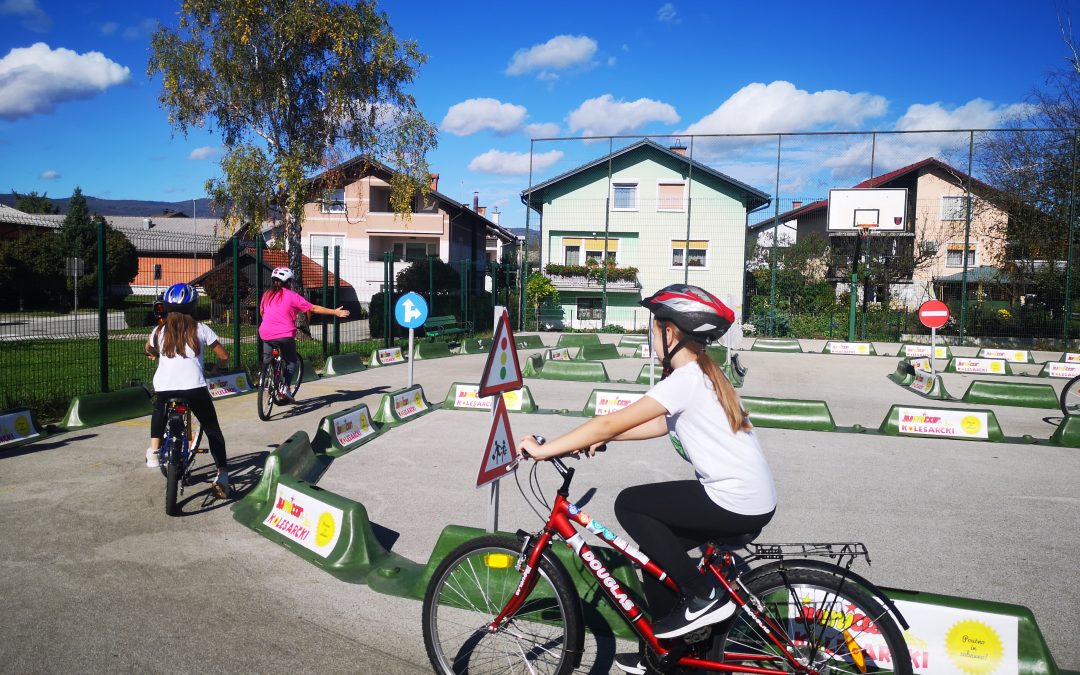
305,520
985,366
389,356
943,423
644,352
229,384
466,396
954,641
920,364
17,426
850,348
1062,369
1010,355
1070,357
409,402
560,354
923,383
353,426
924,350
608,402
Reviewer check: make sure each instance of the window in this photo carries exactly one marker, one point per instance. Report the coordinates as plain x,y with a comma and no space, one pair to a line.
671,197
329,241
410,251
954,256
590,309
379,197
572,255
157,272
954,208
624,196
334,201
694,255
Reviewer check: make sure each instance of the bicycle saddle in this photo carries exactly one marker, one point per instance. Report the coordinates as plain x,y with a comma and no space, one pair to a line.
735,542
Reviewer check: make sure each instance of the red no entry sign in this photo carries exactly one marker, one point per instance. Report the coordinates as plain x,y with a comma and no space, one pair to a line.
933,313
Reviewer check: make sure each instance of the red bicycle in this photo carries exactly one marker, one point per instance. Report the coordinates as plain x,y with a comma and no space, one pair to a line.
500,604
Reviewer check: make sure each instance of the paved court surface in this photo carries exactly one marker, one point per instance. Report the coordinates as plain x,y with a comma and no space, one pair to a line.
95,578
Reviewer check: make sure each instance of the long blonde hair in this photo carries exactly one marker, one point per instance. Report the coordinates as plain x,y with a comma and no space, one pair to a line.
737,416
179,331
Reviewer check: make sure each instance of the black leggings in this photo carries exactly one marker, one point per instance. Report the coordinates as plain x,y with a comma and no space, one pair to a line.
667,520
202,406
287,347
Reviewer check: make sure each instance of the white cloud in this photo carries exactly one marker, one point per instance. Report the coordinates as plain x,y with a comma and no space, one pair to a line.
31,17
513,163
144,28
612,61
667,14
604,116
477,114
49,175
558,53
33,80
109,28
205,152
544,130
975,114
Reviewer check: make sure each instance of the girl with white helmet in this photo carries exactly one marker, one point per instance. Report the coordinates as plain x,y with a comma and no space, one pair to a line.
732,493
279,306
178,344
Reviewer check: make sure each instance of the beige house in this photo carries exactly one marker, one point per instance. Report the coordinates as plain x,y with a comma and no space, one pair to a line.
929,250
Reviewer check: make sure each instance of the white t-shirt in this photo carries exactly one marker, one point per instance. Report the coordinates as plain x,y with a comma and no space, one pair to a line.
730,465
178,373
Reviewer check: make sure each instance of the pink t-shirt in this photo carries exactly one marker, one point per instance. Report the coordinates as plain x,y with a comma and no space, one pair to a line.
279,314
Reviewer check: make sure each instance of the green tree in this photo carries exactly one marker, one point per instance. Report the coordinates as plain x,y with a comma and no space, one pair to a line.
444,279
293,87
78,235
540,291
32,202
32,267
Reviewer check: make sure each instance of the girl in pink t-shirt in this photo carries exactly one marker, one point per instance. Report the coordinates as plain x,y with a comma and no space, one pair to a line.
279,307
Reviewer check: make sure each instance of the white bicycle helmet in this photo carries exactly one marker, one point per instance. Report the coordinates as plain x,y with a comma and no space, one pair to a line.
282,274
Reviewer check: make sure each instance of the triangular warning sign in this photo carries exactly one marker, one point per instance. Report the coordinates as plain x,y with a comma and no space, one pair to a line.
502,371
500,451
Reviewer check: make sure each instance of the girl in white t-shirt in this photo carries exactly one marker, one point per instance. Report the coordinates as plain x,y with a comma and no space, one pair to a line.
733,493
178,346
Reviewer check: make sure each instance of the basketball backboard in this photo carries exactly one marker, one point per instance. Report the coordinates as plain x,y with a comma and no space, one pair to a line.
867,208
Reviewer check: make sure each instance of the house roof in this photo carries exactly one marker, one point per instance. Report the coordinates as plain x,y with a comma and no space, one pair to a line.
756,198
10,216
312,271
165,234
975,275
364,161
876,181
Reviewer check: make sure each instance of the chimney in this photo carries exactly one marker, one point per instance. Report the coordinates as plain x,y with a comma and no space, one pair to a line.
796,204
482,210
434,185
146,224
495,215
678,148
475,201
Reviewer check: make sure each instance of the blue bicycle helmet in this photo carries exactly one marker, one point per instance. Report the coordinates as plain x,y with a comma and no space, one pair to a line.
180,298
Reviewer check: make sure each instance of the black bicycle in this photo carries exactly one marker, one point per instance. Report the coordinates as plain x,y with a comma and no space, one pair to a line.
178,451
273,382
1070,397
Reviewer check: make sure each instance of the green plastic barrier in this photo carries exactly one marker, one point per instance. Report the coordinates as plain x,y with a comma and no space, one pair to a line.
607,401
849,348
295,458
633,340
733,377
432,350
19,427
978,366
1060,369
975,629
782,413
463,396
528,342
958,423
386,357
93,410
342,364
1010,393
533,365
642,352
1069,357
929,386
643,376
476,346
776,345
903,375
598,352
576,371
578,339
344,431
914,351
402,406
717,353
1010,355
1067,433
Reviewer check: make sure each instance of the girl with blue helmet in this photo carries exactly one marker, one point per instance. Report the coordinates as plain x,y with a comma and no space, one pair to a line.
178,345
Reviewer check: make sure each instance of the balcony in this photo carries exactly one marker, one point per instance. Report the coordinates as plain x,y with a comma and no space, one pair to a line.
591,278
419,223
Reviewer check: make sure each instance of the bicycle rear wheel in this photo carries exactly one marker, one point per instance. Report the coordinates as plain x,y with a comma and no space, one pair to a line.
470,588
1070,397
173,472
298,375
834,625
267,390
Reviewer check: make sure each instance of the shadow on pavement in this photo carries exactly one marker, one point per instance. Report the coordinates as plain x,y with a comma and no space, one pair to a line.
47,443
244,473
304,406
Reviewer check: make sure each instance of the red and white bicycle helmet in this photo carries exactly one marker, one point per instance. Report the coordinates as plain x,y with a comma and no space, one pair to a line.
698,313
282,274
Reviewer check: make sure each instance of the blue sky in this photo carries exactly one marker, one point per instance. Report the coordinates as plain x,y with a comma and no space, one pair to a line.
76,107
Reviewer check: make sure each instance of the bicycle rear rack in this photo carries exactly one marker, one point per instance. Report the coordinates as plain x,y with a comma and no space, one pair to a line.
843,553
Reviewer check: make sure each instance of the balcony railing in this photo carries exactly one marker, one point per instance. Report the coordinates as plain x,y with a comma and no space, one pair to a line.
579,277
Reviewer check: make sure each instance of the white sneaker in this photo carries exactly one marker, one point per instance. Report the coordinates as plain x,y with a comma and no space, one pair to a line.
152,458
221,487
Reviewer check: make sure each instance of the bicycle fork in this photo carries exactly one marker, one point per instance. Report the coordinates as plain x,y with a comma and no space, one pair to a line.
529,565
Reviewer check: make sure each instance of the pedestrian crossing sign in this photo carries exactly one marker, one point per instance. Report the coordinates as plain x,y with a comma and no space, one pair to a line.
500,452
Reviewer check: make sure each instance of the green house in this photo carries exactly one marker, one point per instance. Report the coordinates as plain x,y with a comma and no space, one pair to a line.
626,224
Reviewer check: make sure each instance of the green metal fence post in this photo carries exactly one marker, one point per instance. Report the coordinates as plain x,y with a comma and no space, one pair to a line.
967,239
1069,262
388,267
325,299
337,287
236,301
431,283
770,323
259,244
103,312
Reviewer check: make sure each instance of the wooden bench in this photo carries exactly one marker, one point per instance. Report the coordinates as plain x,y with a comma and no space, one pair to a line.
437,326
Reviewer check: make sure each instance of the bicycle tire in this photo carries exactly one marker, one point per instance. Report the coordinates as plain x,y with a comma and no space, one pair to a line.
267,391
837,625
1070,397
172,481
298,376
469,589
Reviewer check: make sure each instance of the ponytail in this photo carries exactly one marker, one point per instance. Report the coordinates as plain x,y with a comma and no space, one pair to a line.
737,416
179,331
270,295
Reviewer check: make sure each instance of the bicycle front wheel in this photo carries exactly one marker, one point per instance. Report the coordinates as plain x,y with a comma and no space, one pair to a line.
470,588
832,624
1070,397
298,375
267,390
172,477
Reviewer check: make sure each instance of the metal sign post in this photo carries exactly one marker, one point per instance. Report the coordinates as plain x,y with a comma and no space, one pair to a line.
75,267
411,311
493,496
933,314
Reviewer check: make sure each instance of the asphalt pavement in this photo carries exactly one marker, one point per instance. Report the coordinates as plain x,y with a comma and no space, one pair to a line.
94,577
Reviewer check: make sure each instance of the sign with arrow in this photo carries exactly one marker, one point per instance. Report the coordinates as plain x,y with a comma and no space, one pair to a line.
502,371
500,452
411,310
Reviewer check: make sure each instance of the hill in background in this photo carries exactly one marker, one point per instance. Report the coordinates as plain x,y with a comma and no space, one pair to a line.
128,207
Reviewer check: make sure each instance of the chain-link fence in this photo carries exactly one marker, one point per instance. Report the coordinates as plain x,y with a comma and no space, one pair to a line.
985,224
